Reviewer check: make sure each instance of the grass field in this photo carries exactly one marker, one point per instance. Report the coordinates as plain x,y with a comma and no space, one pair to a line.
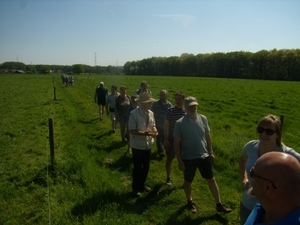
91,182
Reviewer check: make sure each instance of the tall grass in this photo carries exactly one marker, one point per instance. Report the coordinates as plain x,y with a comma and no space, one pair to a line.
91,182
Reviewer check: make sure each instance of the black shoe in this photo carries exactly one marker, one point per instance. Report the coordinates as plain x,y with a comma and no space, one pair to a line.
161,154
191,207
222,208
145,188
169,181
135,194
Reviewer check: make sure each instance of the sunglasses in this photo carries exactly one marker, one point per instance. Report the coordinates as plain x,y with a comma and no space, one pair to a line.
252,174
268,131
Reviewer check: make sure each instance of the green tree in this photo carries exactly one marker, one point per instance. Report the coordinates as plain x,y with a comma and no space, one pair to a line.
13,65
78,68
45,70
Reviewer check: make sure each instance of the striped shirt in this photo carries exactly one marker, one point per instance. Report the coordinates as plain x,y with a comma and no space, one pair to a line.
172,115
159,109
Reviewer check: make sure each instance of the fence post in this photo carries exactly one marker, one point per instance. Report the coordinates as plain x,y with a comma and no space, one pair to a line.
51,140
54,89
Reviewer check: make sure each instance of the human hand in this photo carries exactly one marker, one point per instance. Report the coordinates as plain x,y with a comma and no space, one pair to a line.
245,184
181,165
212,157
153,133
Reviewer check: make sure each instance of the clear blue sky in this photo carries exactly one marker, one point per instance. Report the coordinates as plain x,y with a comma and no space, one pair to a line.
66,32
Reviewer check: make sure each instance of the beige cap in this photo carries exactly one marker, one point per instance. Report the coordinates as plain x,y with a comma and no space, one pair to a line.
190,101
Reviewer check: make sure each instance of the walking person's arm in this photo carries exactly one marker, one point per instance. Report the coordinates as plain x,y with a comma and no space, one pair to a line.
209,146
243,173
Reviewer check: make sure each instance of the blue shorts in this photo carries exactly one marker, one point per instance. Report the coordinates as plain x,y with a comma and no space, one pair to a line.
204,165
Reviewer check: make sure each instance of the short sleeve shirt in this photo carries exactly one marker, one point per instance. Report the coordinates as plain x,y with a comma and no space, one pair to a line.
138,120
102,93
192,134
172,115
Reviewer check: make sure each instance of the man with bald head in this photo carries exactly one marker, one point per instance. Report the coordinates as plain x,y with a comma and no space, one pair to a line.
276,185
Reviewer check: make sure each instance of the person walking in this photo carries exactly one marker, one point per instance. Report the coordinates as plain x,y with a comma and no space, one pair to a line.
134,105
122,105
193,148
100,98
269,130
111,107
159,109
143,88
172,115
142,133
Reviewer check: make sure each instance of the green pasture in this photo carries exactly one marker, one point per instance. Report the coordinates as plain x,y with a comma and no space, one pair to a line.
91,182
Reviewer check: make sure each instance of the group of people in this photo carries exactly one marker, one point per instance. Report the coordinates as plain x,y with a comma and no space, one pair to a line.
269,170
67,80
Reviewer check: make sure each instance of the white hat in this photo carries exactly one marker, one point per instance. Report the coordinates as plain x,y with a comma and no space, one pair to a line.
190,101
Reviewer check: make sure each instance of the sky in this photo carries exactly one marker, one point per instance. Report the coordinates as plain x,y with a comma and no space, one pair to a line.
112,32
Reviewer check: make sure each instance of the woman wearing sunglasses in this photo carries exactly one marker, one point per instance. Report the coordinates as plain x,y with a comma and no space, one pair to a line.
269,132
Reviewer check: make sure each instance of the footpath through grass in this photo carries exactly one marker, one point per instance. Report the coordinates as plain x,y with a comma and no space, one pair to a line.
91,183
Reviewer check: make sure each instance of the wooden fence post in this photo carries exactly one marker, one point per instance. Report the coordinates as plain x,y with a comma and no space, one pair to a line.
51,140
54,89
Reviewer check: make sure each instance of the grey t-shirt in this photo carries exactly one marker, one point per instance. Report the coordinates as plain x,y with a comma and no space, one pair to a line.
192,135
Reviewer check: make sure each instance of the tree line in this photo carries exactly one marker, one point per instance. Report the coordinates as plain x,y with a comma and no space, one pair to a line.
8,67
267,65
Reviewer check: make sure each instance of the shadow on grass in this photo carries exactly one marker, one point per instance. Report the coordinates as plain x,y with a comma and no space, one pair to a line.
172,220
87,121
101,200
123,164
99,146
157,193
98,137
95,203
155,156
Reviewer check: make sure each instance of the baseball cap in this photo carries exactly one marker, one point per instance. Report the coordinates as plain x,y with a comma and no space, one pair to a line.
190,101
